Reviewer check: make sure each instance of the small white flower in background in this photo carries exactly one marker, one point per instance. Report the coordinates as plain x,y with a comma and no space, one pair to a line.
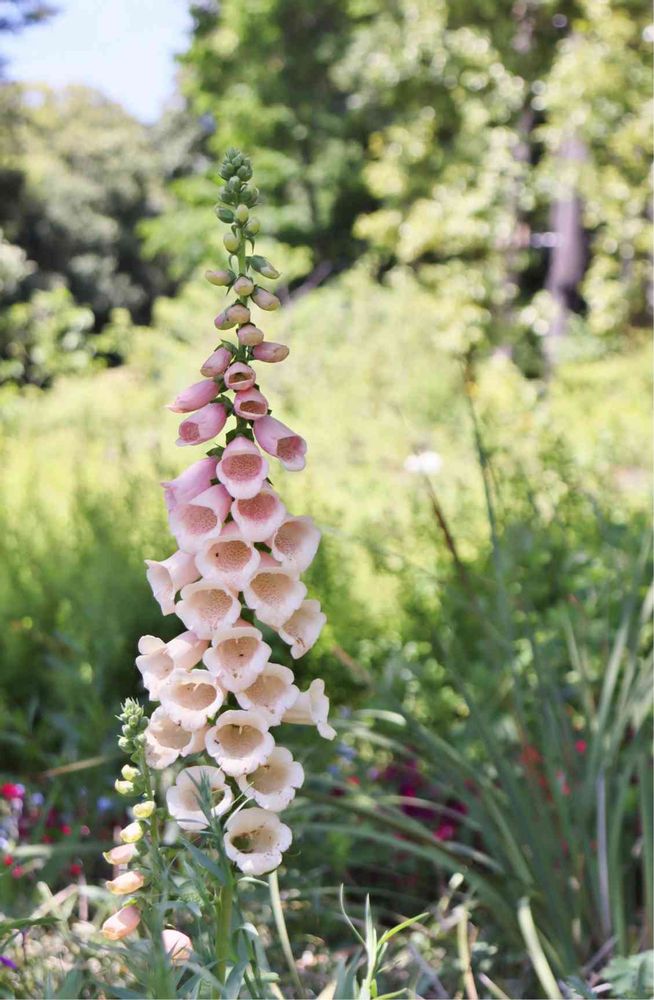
426,463
184,797
255,840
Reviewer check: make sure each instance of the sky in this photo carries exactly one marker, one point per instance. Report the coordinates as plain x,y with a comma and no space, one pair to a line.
125,48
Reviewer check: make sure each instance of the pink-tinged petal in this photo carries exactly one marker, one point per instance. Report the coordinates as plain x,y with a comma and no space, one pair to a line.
194,397
295,543
203,425
259,517
177,946
270,352
302,629
207,607
312,709
237,656
228,559
250,405
265,300
157,659
242,468
274,593
216,363
249,335
240,377
122,923
167,577
279,440
193,481
201,519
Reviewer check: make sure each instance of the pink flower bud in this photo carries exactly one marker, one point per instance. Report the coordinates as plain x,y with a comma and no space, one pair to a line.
249,335
251,404
240,377
203,425
223,322
219,277
239,313
177,946
216,363
242,469
120,924
195,396
193,481
265,300
279,440
269,351
243,285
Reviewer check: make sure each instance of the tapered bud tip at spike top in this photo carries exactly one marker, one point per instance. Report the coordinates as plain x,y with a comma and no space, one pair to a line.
270,352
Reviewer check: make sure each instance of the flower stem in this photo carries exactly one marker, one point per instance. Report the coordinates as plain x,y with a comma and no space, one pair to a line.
223,930
280,923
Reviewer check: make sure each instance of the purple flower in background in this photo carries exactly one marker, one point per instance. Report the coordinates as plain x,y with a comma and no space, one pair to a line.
7,962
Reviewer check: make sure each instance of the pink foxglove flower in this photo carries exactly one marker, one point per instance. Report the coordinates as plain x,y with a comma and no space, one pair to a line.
312,709
250,405
203,425
242,469
239,742
195,397
190,698
295,543
206,607
273,784
228,559
237,656
201,519
216,363
126,884
121,924
271,693
193,481
168,577
259,517
279,440
158,659
184,797
165,741
270,352
302,629
239,377
274,593
255,840
122,854
249,335
177,946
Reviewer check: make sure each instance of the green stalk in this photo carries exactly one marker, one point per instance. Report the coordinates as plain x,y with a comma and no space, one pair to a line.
280,923
223,930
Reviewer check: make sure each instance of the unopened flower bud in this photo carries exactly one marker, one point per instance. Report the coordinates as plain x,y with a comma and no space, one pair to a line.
131,833
120,855
123,787
243,285
143,810
225,214
231,242
249,335
126,883
238,312
223,322
216,363
130,773
264,267
270,352
124,744
265,300
242,213
220,277
254,226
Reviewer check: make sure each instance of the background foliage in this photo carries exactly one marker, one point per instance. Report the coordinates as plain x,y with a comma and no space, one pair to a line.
457,193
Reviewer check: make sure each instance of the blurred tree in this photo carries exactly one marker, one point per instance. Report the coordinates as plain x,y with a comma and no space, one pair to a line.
18,14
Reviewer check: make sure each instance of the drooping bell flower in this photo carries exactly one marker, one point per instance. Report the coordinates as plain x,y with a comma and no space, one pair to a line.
121,924
270,352
193,481
273,784
237,656
250,405
295,543
165,740
279,440
259,517
255,840
228,559
177,946
190,698
239,742
168,577
274,593
216,363
201,519
206,607
184,798
194,397
303,628
271,693
203,425
239,377
311,709
242,469
158,659
127,883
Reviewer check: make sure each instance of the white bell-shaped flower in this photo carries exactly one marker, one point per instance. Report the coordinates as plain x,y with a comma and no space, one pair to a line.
295,543
184,798
166,740
195,522
255,840
272,692
311,708
206,607
167,577
273,784
239,742
191,697
237,656
302,629
229,559
158,659
274,593
259,517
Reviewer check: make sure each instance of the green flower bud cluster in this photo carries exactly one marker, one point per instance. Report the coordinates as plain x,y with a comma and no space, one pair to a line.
134,723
